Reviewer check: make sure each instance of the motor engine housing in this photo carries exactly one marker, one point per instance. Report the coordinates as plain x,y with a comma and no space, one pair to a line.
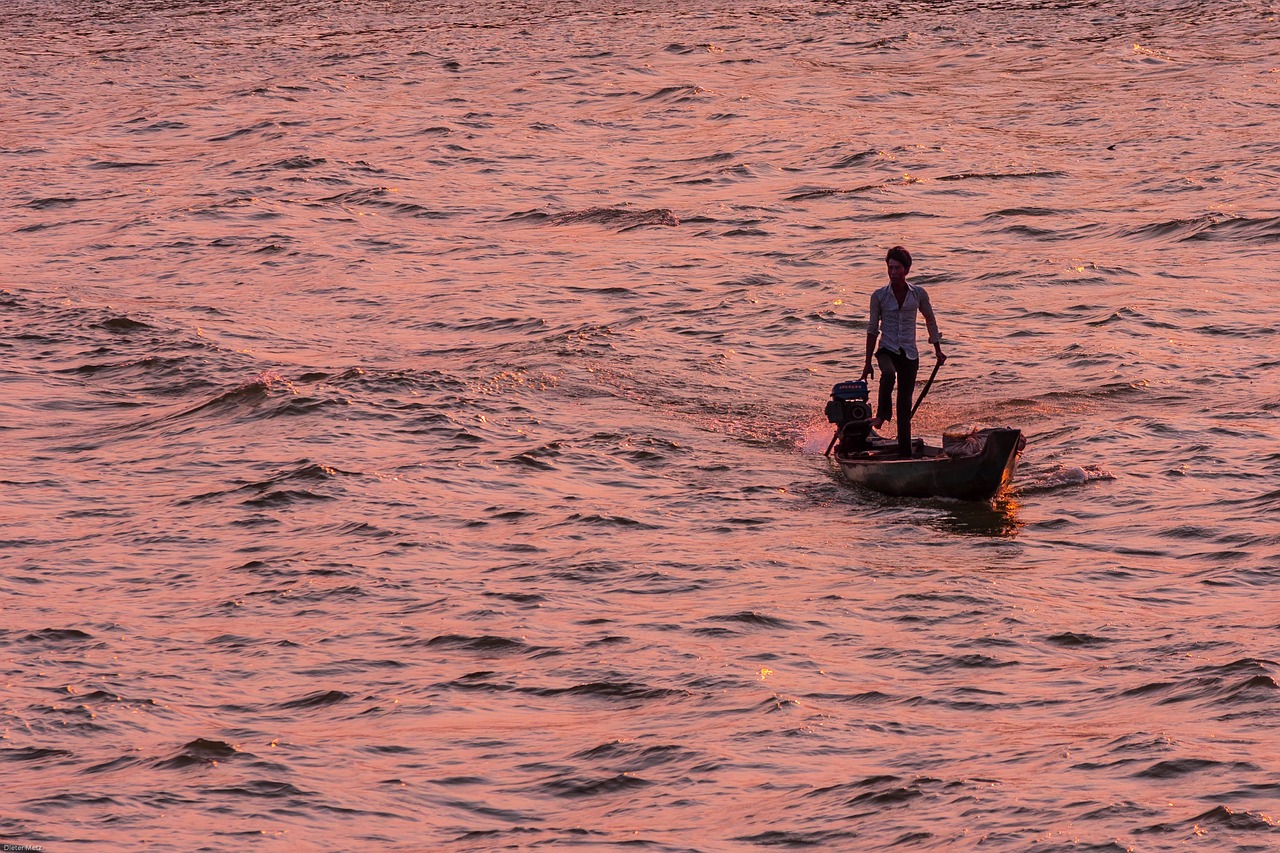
849,410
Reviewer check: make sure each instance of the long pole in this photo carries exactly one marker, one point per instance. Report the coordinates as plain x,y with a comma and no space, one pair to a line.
927,385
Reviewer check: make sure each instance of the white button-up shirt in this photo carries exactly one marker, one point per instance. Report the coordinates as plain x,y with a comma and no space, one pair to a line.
897,325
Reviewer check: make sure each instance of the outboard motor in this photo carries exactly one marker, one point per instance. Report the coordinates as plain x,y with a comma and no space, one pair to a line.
849,410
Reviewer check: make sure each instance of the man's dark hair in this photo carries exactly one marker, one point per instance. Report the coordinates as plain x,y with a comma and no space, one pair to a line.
901,255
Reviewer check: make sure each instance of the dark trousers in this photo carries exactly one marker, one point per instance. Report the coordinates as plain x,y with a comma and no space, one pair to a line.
896,366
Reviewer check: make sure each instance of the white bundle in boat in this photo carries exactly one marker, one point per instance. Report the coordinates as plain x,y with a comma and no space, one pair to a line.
964,440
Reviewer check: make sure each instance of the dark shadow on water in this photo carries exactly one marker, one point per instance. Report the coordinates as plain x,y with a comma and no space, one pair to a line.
998,519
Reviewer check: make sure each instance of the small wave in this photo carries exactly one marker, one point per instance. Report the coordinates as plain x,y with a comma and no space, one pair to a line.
1154,688
572,787
607,521
37,227
52,202
308,470
1229,818
807,193
122,324
1187,228
233,641
968,699
856,159
488,644
532,598
897,216
268,129
300,161
604,290
620,690
511,515
385,199
941,598
316,700
636,756
677,94
157,126
881,781
1034,233
890,797
328,594
1072,639
970,661
1027,211
57,635
271,491
285,497
267,244
994,176
113,765
199,752
686,49
32,753
1239,684
1179,767
532,459
257,398
361,196
1232,330
832,839
754,620
158,368
871,697
122,164
1239,228
619,218
261,788
476,682
106,697
252,390
1117,316
713,632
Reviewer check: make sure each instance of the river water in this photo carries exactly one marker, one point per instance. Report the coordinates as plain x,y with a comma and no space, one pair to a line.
412,425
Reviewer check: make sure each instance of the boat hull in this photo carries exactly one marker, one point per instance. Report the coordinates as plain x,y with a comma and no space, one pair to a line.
971,478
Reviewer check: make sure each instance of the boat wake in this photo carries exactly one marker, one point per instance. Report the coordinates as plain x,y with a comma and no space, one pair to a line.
815,437
1065,476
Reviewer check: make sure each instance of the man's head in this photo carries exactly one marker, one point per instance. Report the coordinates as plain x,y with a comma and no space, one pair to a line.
901,255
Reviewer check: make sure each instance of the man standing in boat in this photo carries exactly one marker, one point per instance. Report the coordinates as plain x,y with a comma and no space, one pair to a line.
893,324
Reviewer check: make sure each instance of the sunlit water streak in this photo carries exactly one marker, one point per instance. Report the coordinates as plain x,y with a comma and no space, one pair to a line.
412,426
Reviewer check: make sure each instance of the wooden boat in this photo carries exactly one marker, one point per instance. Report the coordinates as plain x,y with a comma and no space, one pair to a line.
931,472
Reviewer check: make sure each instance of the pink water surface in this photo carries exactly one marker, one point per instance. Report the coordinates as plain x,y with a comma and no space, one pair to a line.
412,426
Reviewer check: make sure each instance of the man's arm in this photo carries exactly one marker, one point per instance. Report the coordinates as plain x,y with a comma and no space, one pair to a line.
931,323
873,334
